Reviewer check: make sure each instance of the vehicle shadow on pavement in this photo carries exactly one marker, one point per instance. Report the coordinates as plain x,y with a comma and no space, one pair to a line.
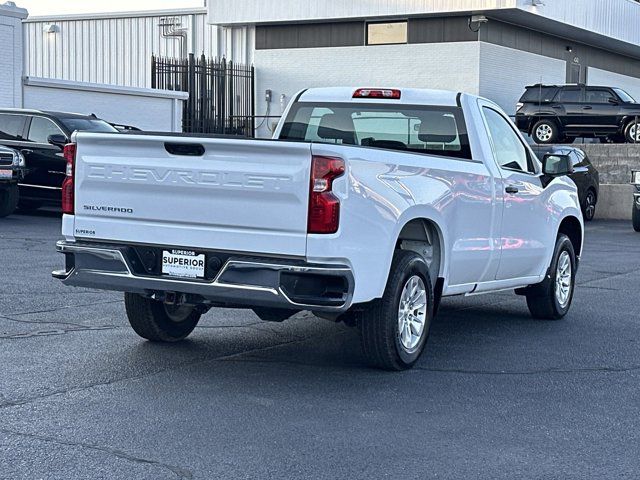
479,336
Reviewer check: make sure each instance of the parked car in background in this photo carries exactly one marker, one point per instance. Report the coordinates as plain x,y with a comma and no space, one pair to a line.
11,171
366,207
584,175
561,113
635,181
40,137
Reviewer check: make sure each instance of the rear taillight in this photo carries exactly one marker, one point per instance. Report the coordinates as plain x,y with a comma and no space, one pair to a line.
67,185
324,206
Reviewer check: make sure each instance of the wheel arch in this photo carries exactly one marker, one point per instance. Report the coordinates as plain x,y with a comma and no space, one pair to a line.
425,237
572,228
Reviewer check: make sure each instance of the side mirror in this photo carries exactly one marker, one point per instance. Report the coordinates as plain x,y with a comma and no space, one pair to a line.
58,140
557,165
613,101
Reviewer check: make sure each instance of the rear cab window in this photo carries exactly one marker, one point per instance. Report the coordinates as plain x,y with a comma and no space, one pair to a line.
432,130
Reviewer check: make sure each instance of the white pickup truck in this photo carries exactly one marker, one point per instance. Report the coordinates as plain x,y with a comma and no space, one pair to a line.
367,207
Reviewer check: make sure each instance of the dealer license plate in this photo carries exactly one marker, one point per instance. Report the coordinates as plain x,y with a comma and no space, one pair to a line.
183,263
4,174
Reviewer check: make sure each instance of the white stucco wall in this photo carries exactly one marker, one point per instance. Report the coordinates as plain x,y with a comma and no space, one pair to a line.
595,76
504,72
152,110
11,57
449,66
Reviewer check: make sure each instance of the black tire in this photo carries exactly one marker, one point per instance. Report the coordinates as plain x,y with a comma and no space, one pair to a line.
156,321
633,128
545,132
589,206
379,322
8,200
635,217
542,300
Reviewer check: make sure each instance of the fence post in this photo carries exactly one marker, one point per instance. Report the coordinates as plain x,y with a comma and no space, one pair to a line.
153,71
231,99
223,93
253,102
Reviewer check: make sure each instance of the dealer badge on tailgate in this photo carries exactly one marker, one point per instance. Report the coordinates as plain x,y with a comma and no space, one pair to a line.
183,263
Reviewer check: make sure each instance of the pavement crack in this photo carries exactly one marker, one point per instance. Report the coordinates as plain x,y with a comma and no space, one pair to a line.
56,331
179,472
64,307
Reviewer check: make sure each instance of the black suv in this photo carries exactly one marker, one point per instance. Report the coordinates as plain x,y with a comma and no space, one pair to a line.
41,136
557,114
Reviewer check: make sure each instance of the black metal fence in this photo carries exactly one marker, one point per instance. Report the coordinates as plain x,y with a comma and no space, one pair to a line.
221,93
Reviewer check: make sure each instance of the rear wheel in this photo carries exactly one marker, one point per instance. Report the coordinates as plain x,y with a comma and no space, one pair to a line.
159,322
589,207
552,298
545,131
632,132
636,218
395,328
8,200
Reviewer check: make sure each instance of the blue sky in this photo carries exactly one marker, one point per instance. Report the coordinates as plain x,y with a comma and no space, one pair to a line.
55,7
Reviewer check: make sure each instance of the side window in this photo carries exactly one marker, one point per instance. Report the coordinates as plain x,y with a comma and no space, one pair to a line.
569,95
508,149
41,128
11,126
599,96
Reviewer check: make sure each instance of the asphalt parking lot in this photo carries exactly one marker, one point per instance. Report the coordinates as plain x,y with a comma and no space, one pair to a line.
496,395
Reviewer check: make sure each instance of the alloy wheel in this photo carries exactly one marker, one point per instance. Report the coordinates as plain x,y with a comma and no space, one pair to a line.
563,279
544,132
412,313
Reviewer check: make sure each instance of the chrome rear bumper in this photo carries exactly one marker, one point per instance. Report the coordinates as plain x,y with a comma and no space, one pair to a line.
242,281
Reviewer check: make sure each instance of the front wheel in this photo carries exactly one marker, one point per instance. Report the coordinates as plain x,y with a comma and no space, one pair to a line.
8,200
159,322
551,299
395,328
545,131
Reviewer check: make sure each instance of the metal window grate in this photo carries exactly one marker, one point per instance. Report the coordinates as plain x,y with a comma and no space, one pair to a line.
221,93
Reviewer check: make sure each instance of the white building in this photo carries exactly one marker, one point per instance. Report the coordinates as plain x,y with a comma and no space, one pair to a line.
488,47
493,48
11,60
116,48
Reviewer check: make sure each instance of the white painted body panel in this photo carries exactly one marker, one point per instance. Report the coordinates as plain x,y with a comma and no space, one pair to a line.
241,195
488,242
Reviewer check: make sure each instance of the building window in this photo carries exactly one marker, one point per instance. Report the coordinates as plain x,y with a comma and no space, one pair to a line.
386,33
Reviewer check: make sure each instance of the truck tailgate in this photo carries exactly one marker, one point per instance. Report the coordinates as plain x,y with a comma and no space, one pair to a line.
239,195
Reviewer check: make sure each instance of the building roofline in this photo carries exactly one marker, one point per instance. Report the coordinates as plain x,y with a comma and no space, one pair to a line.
10,9
107,15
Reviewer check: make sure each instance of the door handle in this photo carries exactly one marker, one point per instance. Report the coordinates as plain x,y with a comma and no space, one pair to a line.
26,151
587,108
511,189
556,106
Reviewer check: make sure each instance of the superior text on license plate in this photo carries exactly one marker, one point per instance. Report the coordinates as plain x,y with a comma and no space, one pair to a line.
183,263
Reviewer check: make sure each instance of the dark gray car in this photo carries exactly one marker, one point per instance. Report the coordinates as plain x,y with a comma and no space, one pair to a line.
585,175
